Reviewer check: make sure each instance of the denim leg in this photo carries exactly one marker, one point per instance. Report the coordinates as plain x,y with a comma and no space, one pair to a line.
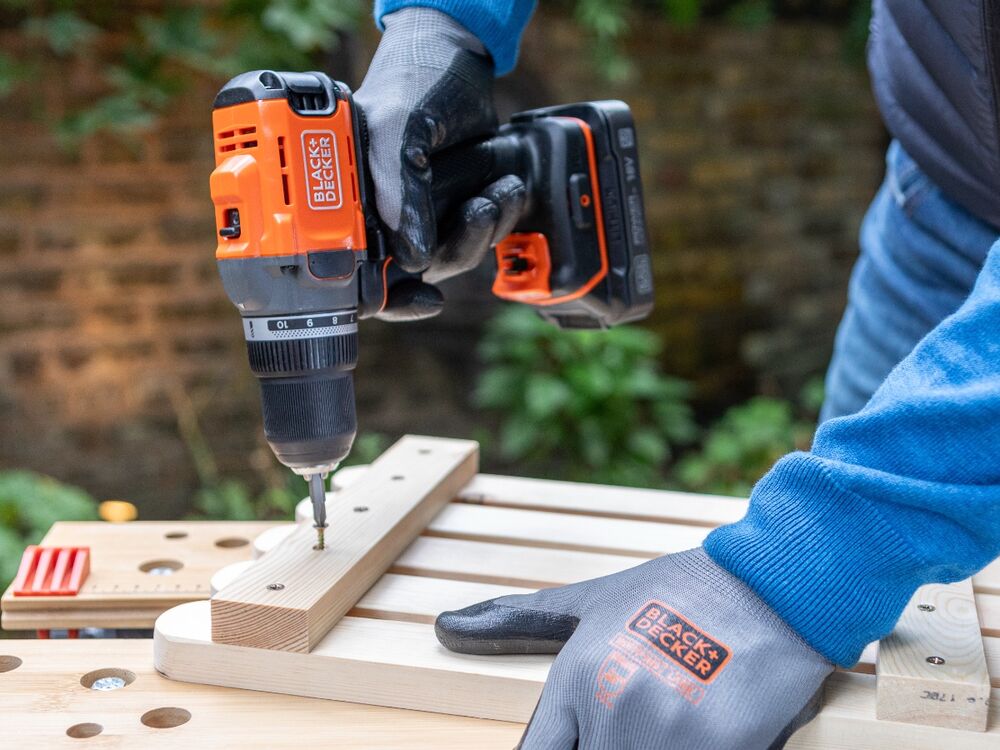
920,256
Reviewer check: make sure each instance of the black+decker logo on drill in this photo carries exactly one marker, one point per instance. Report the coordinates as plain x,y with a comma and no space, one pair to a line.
679,640
321,165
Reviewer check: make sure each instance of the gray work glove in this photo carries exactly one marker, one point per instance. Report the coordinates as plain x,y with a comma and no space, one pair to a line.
430,86
675,653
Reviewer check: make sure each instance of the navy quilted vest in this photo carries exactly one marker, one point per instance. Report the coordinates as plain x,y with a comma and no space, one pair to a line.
935,68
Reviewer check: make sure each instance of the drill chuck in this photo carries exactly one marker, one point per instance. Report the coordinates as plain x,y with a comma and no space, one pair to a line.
304,364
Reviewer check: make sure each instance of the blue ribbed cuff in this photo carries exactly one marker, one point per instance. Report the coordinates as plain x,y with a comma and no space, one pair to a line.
822,557
498,24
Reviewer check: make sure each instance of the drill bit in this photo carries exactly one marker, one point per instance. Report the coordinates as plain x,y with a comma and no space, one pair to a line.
317,491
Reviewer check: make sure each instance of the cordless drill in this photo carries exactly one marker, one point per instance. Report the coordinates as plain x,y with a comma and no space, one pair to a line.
303,254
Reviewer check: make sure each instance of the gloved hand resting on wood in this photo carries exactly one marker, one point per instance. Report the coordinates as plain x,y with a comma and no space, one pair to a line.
674,653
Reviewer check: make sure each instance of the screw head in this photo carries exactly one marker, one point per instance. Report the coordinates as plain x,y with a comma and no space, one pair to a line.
360,508
275,586
108,683
926,607
937,660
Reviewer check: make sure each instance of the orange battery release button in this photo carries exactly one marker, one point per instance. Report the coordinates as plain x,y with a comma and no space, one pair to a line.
523,267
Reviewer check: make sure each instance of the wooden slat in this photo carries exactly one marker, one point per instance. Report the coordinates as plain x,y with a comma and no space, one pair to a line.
847,722
589,499
560,531
987,581
939,623
990,645
988,606
415,599
506,564
401,664
401,491
43,698
409,598
381,662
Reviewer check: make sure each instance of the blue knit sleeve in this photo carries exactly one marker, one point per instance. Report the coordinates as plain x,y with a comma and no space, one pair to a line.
905,492
498,24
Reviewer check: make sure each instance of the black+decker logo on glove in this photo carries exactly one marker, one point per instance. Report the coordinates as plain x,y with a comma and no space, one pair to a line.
679,640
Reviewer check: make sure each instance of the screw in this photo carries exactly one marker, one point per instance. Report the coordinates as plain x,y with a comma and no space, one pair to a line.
275,586
926,607
935,660
360,508
108,683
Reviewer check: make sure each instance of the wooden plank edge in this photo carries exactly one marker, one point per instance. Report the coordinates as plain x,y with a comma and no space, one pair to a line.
378,662
291,597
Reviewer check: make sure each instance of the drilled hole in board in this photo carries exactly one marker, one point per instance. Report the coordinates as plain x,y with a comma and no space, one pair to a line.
110,678
161,567
424,451
176,534
167,717
9,663
398,478
85,730
232,541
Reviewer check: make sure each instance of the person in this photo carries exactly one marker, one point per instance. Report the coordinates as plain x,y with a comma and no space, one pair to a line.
728,645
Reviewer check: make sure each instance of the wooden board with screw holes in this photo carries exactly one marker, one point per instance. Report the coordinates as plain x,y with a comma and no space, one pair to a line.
124,589
43,698
501,533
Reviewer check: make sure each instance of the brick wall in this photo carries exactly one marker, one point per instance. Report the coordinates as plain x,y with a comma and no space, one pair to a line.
760,150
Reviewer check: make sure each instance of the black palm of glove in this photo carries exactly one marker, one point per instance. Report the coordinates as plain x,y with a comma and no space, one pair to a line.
430,86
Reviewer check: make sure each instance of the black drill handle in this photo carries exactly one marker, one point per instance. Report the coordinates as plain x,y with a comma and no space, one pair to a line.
461,172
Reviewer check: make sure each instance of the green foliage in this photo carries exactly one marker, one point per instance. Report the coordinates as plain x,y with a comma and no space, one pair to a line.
233,500
588,405
159,54
29,504
367,447
750,13
64,31
742,446
608,22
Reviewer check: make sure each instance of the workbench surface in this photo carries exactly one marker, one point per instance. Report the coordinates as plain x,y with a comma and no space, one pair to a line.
42,699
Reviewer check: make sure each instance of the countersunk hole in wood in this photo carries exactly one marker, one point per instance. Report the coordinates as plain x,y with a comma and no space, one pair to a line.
167,717
161,567
275,586
926,607
937,660
360,508
176,535
232,541
110,678
9,663
84,730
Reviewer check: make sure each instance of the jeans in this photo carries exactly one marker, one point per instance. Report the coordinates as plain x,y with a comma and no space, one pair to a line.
920,255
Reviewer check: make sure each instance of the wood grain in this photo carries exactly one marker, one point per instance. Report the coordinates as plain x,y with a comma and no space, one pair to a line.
401,664
590,499
43,698
118,593
291,597
932,668
381,662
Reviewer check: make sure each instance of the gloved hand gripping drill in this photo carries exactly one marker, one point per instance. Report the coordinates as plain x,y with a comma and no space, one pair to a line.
304,252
